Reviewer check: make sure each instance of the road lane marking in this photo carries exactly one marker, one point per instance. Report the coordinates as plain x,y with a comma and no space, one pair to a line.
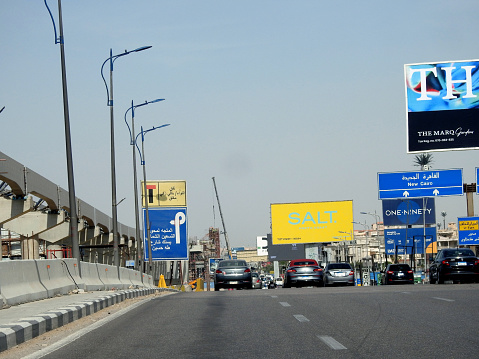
285,304
301,318
331,342
444,299
274,296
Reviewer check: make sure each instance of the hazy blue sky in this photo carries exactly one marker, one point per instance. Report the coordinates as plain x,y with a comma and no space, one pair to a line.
280,101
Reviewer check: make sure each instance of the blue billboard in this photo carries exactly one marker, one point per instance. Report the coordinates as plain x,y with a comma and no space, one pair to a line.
408,240
400,212
168,233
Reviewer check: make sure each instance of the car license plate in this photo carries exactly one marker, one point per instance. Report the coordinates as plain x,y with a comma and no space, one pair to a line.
462,263
234,282
400,274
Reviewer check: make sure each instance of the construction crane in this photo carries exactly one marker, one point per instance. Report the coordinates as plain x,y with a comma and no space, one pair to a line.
222,221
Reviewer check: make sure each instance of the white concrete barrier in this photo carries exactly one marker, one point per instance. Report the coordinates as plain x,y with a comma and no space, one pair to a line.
109,275
20,282
125,278
135,278
91,277
53,274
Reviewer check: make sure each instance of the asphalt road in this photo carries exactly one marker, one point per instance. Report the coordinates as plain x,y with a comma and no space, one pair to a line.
408,321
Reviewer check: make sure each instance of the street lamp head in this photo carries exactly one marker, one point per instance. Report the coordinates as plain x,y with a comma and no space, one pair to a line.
140,49
157,100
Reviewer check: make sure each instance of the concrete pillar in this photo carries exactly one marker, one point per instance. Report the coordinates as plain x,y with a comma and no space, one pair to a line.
30,248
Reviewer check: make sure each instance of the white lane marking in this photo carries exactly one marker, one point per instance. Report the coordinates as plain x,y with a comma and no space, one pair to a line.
444,299
301,318
331,342
285,304
274,296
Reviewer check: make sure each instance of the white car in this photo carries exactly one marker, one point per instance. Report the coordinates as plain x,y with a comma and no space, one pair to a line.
279,282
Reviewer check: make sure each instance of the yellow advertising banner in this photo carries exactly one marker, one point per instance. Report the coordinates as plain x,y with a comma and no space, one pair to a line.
164,193
311,222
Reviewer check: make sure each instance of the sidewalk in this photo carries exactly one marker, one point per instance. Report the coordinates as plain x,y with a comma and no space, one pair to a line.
26,321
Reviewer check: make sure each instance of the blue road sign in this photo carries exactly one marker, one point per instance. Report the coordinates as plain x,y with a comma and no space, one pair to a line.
168,233
420,184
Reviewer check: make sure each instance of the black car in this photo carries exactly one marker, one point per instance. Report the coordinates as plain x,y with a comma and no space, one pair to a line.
398,274
459,264
233,273
303,272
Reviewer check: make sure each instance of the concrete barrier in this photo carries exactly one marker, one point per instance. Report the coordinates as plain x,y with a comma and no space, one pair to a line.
91,277
53,275
135,278
125,278
109,275
20,282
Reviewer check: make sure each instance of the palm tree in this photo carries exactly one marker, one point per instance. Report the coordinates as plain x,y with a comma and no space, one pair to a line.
424,160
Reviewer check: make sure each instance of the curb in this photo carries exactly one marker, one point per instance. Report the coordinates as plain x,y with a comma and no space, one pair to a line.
28,328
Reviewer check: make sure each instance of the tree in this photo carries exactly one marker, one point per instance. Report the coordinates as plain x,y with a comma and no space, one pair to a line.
424,160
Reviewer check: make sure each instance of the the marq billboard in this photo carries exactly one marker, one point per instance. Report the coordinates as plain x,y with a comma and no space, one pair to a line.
400,212
442,101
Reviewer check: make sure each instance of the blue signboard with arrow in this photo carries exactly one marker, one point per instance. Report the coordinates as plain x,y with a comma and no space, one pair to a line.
420,184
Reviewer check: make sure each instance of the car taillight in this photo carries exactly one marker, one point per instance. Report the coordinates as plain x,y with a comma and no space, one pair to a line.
218,271
291,271
410,271
351,273
317,269
445,262
476,262
390,272
247,270
258,281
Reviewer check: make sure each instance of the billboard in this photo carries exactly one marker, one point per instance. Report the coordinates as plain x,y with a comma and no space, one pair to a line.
284,252
399,212
468,230
164,193
409,240
168,233
442,101
310,222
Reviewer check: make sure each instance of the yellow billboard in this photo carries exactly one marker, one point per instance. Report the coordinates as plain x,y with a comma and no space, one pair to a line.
164,193
310,222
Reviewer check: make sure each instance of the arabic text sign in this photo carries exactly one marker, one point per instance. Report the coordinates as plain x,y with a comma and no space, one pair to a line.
442,102
168,233
420,184
468,230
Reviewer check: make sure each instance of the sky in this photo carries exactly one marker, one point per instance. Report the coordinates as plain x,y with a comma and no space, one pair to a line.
280,101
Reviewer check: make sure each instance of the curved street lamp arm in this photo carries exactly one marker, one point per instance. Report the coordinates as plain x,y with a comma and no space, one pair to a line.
58,40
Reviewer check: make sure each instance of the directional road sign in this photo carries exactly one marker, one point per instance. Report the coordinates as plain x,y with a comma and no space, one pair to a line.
420,184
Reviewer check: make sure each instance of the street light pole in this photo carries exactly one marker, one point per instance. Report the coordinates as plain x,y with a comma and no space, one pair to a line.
114,204
377,218
139,263
147,216
68,145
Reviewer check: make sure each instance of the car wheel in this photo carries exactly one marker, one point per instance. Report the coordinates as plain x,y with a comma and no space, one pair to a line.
431,279
217,288
440,279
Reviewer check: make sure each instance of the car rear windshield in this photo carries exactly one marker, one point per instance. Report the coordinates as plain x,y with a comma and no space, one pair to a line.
458,252
339,266
232,264
399,267
303,263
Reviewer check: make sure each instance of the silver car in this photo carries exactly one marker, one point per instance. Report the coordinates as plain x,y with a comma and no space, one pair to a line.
256,281
338,273
232,273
